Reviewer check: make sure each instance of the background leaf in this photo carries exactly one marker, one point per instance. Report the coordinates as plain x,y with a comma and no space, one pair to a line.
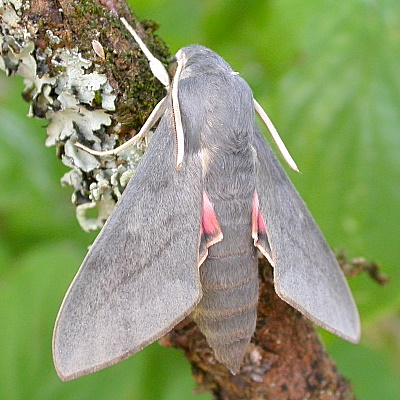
327,72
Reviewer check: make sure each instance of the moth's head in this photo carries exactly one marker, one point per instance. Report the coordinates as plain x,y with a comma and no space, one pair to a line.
197,60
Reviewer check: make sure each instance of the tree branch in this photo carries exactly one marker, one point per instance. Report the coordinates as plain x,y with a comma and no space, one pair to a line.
86,76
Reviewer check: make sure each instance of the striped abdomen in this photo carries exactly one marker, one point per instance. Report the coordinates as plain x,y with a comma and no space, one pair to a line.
227,311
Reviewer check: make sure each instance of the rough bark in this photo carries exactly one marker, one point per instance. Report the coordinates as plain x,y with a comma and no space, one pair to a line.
286,359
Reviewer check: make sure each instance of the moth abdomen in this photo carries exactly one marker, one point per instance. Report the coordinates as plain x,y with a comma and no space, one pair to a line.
227,312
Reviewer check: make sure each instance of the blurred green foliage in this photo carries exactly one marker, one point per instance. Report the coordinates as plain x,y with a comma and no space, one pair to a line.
328,73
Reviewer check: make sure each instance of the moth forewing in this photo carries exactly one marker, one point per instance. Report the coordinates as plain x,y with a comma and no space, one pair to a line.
307,275
141,275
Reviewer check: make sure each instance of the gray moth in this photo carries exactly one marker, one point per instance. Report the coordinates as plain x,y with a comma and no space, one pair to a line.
183,239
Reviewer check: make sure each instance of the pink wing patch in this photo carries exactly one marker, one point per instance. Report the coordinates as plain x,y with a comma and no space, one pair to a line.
259,231
210,230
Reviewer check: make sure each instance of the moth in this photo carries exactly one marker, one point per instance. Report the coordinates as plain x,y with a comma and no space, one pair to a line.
183,239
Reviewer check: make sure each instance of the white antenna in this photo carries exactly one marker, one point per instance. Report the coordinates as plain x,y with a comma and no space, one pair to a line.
156,66
275,136
159,71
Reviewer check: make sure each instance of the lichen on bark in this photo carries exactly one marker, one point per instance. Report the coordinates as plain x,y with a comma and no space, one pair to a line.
98,100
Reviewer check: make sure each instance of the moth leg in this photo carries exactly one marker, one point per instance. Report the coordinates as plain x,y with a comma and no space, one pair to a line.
153,118
275,136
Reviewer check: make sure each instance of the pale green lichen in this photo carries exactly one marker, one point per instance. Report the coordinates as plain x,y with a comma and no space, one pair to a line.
107,98
74,79
67,98
109,185
53,39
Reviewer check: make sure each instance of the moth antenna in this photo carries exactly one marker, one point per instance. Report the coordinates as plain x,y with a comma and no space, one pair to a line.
179,137
275,136
156,66
153,118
